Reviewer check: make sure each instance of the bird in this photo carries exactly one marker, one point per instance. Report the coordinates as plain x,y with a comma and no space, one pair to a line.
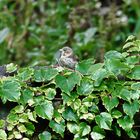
66,58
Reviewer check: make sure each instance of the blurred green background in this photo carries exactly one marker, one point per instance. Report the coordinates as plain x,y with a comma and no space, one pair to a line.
31,31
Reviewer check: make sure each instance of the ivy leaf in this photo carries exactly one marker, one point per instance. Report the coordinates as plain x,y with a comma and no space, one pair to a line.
113,54
11,68
21,128
135,86
45,110
126,123
70,115
131,108
67,84
84,129
73,127
116,114
84,66
110,103
78,137
97,133
12,118
104,120
94,68
98,76
132,134
10,90
26,95
44,74
2,123
45,136
62,83
30,128
135,73
18,109
50,93
123,93
74,79
25,74
116,66
57,127
3,135
86,87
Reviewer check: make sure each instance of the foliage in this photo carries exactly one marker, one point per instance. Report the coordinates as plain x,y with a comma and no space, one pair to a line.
86,103
32,31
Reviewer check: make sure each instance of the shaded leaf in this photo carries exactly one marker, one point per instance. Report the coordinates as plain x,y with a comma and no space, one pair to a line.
131,108
10,90
86,87
110,102
97,133
45,110
126,123
70,115
44,74
57,127
104,120
45,136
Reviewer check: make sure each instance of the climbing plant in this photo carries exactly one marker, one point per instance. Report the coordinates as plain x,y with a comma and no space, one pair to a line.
94,101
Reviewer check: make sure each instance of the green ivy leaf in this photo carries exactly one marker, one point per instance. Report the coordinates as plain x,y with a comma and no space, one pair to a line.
12,118
26,95
10,90
84,66
30,128
2,123
99,75
86,87
62,83
97,133
84,129
25,74
17,135
45,74
74,79
114,55
21,128
70,115
126,123
131,108
110,102
104,120
45,110
116,66
132,134
135,73
67,84
3,135
50,93
123,93
135,86
116,114
73,127
18,109
57,127
11,68
128,45
45,136
94,68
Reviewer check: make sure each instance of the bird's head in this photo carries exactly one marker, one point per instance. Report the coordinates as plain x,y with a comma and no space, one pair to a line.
66,51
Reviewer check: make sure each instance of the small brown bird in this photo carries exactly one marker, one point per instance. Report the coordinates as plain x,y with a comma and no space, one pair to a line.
65,58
